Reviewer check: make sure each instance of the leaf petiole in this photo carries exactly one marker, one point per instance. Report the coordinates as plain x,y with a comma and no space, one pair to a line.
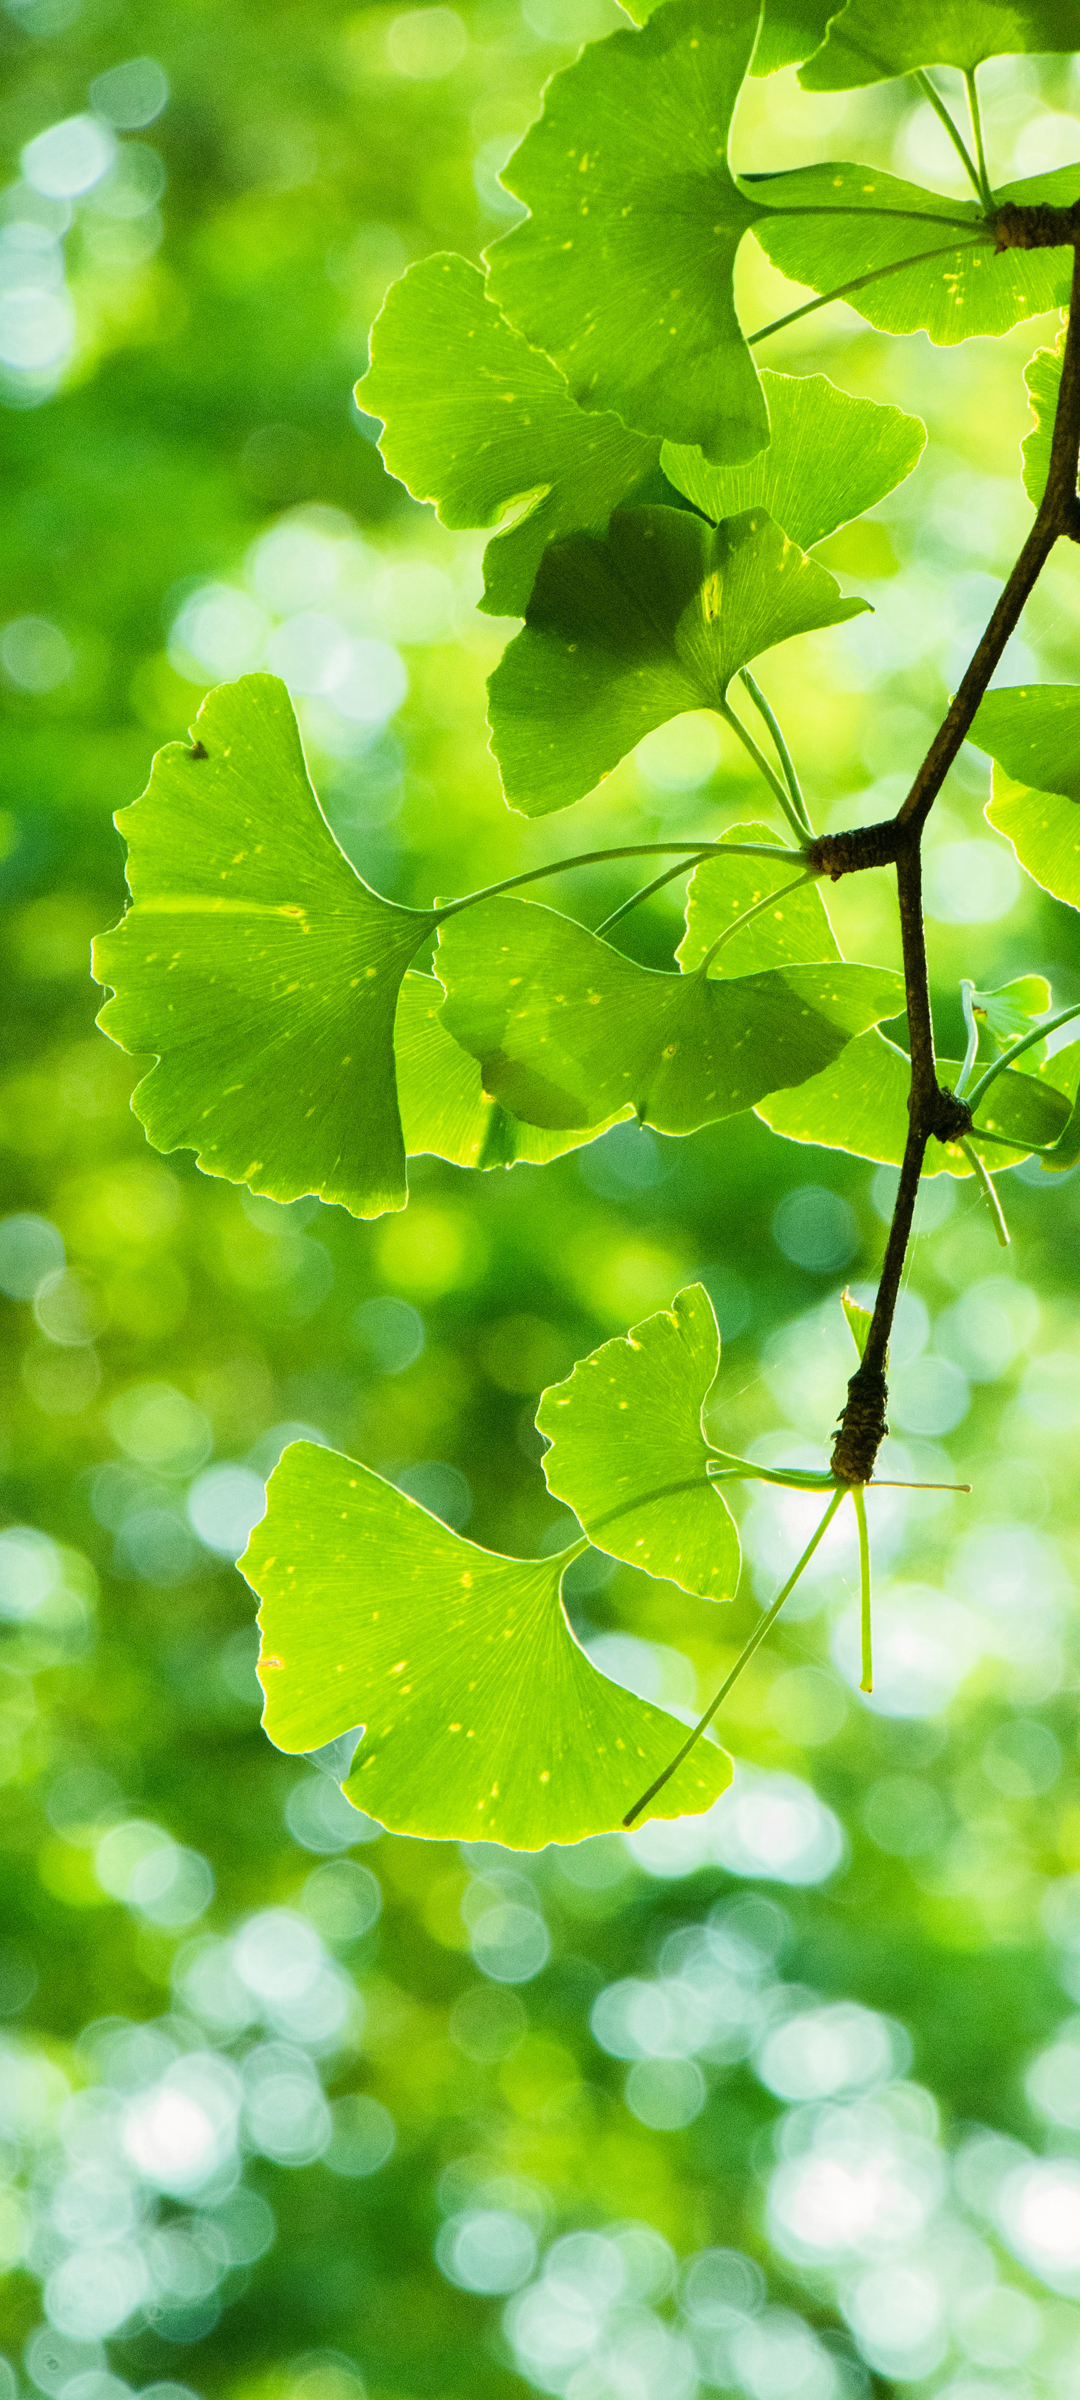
683,866
955,136
595,858
744,1657
860,283
976,127
866,1678
1064,1016
736,926
782,751
778,789
971,1053
992,1201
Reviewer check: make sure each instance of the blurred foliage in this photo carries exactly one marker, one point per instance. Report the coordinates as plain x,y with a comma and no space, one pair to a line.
787,2102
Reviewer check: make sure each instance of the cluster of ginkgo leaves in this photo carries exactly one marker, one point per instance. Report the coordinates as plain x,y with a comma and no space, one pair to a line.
657,503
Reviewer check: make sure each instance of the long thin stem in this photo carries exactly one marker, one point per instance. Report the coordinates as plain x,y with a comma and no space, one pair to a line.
953,131
683,866
598,858
744,1657
778,789
861,283
782,751
992,1201
997,1066
748,914
972,1051
977,132
866,1679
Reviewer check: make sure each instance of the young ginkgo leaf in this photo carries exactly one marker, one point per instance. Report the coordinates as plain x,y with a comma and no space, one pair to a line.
623,634
1042,376
445,1110
923,263
628,1450
868,41
258,966
859,1321
831,456
483,1718
860,1105
567,1031
476,421
622,272
1012,1010
796,932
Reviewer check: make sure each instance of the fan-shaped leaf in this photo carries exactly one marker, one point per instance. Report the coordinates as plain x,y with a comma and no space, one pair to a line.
1032,733
1011,1011
926,263
622,634
483,1719
258,966
444,1108
476,421
860,1105
790,30
567,1031
867,42
830,457
628,1449
1042,376
796,932
623,271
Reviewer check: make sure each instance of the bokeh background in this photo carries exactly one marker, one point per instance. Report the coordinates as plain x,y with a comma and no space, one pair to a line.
784,2102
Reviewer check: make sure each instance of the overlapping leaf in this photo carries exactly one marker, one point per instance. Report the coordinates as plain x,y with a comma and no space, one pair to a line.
907,259
258,966
623,271
790,30
1042,376
622,634
1033,734
479,423
445,1110
860,1105
1011,1011
830,456
628,1450
567,1031
483,1719
868,41
796,932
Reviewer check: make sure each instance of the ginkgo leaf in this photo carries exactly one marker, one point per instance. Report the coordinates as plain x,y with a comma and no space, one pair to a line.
628,1449
796,932
567,1030
623,271
479,423
1011,1011
1042,376
867,41
1044,829
920,262
483,1718
791,30
860,1105
859,1321
1066,1150
1032,733
831,456
445,1110
258,966
624,633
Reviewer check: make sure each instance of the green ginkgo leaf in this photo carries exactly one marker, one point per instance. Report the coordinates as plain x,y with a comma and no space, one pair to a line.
445,1111
622,273
830,457
1042,376
859,1321
1044,829
1011,1011
479,423
623,634
483,1718
791,30
868,41
258,966
796,932
567,1031
628,1449
907,259
1032,733
860,1105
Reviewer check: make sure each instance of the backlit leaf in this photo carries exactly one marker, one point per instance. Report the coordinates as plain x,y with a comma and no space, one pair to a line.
483,1718
445,1110
796,932
622,634
258,966
1032,733
859,1321
868,41
790,30
623,271
830,457
477,422
860,1105
930,263
1011,1011
1066,1149
1043,379
628,1449
567,1031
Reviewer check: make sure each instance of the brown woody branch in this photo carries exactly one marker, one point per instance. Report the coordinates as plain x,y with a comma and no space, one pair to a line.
934,1113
